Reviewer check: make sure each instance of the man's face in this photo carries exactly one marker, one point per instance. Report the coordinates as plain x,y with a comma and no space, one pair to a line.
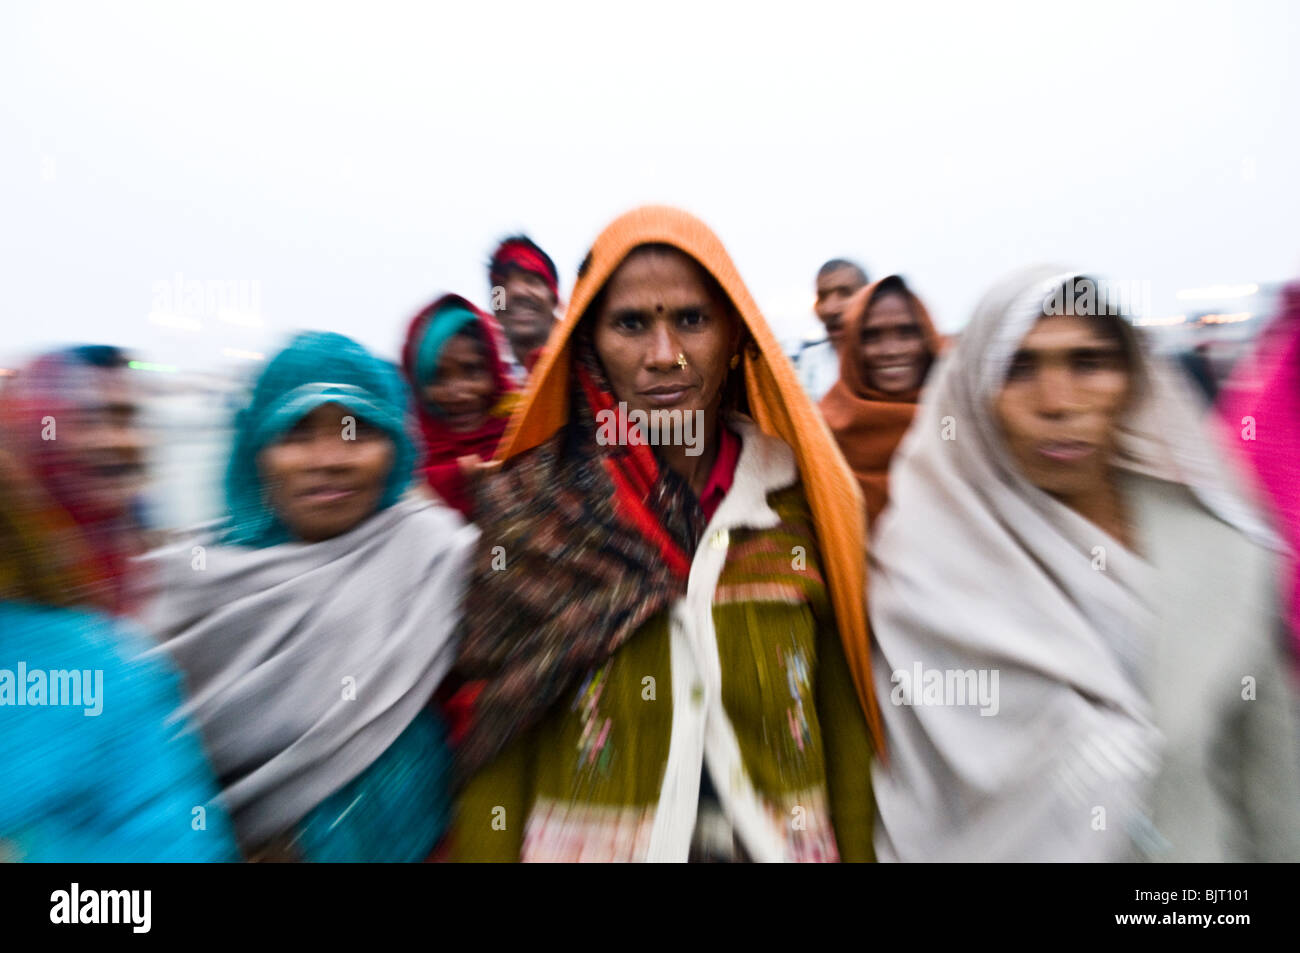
529,311
833,292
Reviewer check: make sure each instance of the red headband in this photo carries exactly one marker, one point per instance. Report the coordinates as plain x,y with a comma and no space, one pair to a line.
521,256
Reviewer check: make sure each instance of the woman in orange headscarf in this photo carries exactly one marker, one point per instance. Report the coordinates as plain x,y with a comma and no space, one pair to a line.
890,346
670,627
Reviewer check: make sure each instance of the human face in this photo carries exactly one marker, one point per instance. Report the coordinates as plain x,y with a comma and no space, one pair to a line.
102,441
1060,407
321,482
833,292
529,311
463,386
893,352
658,305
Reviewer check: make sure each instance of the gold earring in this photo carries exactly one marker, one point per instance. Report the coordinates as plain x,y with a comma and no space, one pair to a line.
735,360
681,360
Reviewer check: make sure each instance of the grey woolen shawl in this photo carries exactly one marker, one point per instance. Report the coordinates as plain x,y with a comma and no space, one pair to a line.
973,568
305,661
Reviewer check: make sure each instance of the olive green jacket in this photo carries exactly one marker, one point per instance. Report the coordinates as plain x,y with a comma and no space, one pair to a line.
745,673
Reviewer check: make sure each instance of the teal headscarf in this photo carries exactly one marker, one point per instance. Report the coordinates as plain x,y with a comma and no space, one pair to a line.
441,327
316,368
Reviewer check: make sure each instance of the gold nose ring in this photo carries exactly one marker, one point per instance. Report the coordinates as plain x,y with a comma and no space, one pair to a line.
681,360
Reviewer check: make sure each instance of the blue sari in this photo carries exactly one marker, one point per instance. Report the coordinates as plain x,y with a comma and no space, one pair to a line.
109,778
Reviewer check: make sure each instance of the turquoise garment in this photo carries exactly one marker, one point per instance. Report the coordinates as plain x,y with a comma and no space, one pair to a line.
395,811
316,368
126,784
439,329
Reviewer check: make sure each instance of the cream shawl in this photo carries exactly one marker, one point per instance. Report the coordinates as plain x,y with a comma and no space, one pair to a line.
976,571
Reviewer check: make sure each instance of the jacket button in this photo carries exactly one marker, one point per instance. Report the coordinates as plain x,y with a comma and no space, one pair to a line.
720,539
697,694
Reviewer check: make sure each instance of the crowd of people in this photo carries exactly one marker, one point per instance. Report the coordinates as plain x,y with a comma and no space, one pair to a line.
1012,594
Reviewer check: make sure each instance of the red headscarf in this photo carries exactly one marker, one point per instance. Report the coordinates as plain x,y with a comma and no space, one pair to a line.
444,446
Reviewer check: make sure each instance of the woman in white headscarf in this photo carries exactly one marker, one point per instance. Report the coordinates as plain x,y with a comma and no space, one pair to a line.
1075,611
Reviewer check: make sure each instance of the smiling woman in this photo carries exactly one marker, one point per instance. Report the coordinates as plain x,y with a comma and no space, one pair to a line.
311,693
463,391
318,482
72,420
893,344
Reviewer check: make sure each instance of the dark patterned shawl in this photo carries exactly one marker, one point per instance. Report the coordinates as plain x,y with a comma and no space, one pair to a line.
581,544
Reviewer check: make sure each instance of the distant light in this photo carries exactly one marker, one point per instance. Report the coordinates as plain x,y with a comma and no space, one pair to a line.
243,355
1217,292
1226,318
1161,322
243,319
6,372
150,366
181,322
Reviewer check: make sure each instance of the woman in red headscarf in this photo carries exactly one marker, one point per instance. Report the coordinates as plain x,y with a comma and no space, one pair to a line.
463,391
70,419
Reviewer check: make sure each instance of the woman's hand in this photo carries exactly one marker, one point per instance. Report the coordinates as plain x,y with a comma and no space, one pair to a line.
471,467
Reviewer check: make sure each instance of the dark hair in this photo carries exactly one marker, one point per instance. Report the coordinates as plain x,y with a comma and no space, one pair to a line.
472,332
497,270
893,285
1111,324
733,393
835,264
659,248
99,355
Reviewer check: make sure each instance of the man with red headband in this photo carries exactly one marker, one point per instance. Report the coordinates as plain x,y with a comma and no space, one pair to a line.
525,294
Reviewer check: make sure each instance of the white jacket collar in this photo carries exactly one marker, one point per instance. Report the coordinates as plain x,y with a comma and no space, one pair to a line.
766,464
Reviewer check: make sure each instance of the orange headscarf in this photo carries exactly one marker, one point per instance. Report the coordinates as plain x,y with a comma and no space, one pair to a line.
868,424
776,401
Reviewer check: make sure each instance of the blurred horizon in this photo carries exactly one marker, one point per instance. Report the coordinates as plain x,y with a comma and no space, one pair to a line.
337,166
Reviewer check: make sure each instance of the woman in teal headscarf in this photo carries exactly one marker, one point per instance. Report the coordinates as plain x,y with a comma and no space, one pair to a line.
315,625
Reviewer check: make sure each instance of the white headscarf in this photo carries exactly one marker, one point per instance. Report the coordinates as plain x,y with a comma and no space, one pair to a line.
972,567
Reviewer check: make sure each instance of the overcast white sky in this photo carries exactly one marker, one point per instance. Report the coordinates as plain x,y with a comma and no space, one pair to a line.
356,159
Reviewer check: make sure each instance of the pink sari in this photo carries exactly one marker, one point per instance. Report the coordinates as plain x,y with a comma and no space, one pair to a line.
1261,405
